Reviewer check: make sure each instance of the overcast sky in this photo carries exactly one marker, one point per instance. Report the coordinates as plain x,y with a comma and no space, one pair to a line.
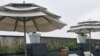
70,11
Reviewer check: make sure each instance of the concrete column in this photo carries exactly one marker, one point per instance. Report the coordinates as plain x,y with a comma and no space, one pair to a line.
81,39
34,37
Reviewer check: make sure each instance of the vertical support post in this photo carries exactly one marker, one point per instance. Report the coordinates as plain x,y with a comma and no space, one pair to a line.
25,35
90,41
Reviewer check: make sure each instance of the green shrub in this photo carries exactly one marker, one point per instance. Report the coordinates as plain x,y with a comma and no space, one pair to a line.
11,50
3,49
56,47
20,48
53,47
73,46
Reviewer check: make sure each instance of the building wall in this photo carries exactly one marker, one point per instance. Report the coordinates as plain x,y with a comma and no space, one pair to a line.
57,41
11,41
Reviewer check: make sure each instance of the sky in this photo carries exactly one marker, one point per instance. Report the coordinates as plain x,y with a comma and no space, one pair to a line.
71,12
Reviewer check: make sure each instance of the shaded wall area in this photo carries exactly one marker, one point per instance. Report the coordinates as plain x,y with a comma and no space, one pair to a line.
94,42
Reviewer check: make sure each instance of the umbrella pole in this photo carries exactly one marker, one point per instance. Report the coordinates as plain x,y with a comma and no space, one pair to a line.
25,36
90,41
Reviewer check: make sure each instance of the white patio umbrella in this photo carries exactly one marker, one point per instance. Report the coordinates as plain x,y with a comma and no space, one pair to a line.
86,27
94,26
28,17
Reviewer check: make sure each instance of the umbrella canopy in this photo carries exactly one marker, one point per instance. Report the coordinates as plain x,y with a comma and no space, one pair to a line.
36,18
86,27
